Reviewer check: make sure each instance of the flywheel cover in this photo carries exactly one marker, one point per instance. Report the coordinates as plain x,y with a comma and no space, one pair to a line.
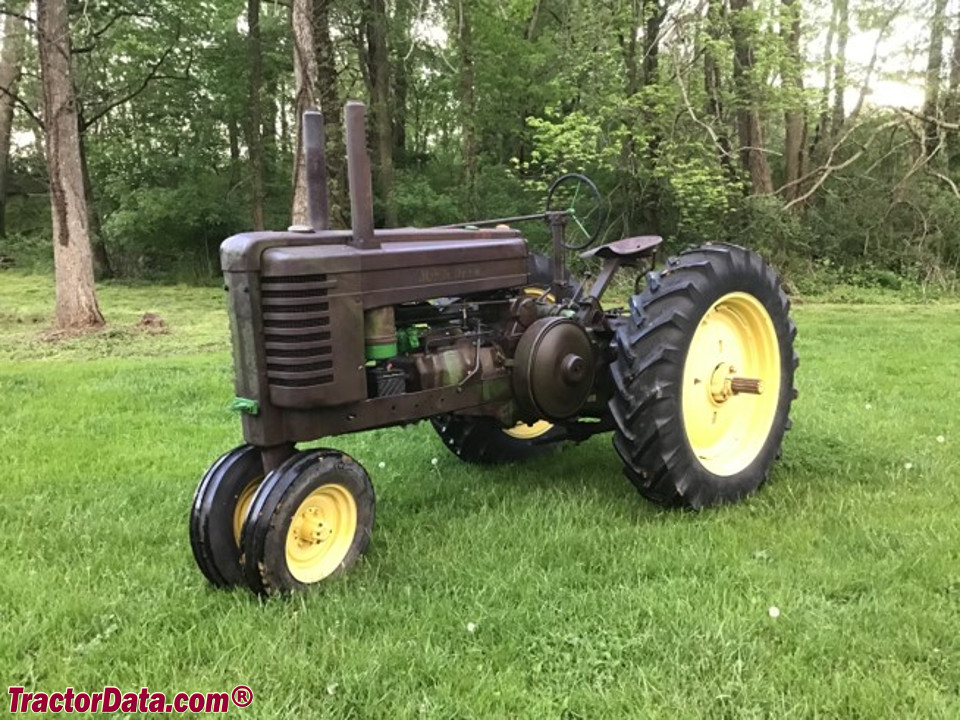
554,369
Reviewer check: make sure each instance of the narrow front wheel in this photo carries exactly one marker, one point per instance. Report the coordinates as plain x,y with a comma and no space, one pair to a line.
219,508
312,519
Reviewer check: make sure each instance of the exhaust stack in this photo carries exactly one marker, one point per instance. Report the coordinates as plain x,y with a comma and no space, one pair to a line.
358,173
315,158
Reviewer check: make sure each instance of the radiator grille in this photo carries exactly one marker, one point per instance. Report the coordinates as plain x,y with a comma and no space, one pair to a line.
296,327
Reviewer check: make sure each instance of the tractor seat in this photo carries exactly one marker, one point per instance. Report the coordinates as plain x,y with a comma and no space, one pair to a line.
631,247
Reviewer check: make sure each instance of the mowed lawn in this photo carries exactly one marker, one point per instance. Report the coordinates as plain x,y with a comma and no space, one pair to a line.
584,600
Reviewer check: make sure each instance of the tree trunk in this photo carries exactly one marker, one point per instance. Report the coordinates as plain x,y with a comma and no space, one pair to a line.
748,116
76,299
629,45
840,67
952,106
328,93
269,108
102,269
11,67
254,122
233,134
655,11
305,70
284,117
713,85
400,89
467,106
794,116
380,85
823,123
403,19
931,99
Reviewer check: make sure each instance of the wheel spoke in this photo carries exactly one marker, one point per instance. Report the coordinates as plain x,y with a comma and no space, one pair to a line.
580,225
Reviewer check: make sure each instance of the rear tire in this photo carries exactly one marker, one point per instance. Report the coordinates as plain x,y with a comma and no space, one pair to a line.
684,436
483,441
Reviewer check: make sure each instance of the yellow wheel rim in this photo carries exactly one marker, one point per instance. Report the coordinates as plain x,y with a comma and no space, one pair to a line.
535,292
242,507
522,431
731,384
321,533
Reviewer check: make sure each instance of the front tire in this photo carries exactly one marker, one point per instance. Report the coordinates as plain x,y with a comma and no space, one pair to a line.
220,505
704,378
311,519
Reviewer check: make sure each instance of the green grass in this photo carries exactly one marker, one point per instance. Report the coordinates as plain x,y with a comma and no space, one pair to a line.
588,602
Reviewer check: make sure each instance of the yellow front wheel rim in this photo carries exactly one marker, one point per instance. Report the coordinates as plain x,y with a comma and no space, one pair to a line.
242,507
321,533
522,431
731,384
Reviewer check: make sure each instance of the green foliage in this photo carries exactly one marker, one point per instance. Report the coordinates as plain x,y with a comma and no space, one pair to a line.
761,223
28,251
420,203
558,86
183,223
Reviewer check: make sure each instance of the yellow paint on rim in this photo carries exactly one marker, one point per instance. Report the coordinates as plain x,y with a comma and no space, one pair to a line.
735,338
522,431
321,533
535,292
242,507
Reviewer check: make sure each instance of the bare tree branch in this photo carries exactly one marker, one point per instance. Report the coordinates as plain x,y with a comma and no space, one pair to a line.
827,169
861,99
948,181
97,34
22,104
20,16
943,124
152,75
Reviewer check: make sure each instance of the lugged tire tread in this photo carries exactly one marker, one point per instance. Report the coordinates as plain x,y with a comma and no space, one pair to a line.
482,441
650,438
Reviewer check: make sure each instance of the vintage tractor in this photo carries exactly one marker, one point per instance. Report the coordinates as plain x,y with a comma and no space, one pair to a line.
507,356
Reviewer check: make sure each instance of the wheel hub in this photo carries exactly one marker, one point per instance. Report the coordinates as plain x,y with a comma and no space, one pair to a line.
720,383
724,384
321,533
309,528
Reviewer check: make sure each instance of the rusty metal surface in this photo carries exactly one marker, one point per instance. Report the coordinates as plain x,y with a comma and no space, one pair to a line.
400,272
313,341
243,252
315,161
359,176
554,369
306,425
380,326
625,248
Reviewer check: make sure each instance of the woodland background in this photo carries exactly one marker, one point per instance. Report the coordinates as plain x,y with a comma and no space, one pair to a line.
740,120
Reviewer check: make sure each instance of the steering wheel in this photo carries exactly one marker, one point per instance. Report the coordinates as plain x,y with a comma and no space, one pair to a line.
579,198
